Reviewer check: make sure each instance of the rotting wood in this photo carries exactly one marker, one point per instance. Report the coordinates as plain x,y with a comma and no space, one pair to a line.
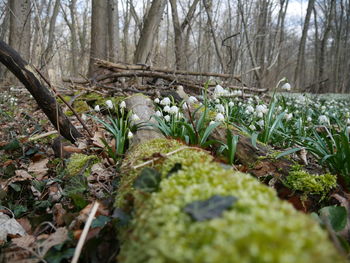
30,79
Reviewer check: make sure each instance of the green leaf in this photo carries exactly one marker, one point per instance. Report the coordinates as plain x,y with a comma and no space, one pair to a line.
11,146
100,221
254,139
290,151
210,208
336,215
148,180
208,131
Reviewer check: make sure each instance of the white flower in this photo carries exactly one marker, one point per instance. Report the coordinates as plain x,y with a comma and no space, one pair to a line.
250,109
261,108
156,100
286,86
166,101
130,135
218,90
259,114
192,99
174,110
109,104
252,127
220,108
167,118
219,117
166,108
159,113
185,106
231,104
122,105
261,123
134,117
279,108
323,108
212,122
217,101
97,108
309,119
288,116
323,119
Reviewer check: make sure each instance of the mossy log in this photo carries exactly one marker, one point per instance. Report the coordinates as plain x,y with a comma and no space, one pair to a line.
259,227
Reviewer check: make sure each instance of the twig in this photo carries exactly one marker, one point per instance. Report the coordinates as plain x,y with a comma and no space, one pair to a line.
43,135
83,236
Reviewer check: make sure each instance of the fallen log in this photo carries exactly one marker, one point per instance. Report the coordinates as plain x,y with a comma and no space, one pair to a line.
30,79
167,189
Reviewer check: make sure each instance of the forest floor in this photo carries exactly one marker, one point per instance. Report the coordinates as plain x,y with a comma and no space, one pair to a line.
48,195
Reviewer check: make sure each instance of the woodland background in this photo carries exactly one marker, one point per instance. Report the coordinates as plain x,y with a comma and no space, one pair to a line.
258,40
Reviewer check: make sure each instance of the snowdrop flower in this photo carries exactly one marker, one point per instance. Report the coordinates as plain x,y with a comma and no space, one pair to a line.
212,122
174,110
309,119
261,108
97,108
288,116
130,135
323,108
166,101
259,114
166,108
261,123
219,90
250,109
159,113
122,105
219,117
192,99
220,108
134,117
185,106
156,100
217,101
252,127
286,87
167,118
231,104
109,104
323,119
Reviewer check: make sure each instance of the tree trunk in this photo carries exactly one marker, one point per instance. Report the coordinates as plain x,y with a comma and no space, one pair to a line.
299,74
98,34
152,21
113,30
28,76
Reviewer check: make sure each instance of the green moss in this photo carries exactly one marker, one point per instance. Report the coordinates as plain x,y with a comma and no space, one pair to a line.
78,161
65,97
79,106
97,99
311,183
259,228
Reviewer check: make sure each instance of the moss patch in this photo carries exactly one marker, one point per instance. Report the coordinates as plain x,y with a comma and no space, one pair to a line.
259,228
311,183
79,161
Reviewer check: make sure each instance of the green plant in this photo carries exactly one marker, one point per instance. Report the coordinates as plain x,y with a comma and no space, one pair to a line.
229,148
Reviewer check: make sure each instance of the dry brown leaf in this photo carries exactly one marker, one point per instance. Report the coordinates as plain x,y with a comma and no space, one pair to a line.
72,149
39,168
9,227
97,139
25,223
58,214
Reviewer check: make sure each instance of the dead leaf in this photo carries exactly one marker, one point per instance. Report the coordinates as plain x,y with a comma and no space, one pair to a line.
39,168
58,214
25,223
72,149
9,227
97,139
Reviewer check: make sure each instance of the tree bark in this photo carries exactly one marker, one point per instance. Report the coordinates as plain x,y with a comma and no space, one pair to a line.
28,76
98,34
152,21
113,30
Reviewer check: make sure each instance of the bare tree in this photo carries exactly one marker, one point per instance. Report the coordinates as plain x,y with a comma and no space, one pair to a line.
152,21
113,30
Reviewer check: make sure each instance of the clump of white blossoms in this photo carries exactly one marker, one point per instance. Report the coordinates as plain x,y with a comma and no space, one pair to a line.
288,116
109,104
261,123
219,117
97,108
236,93
249,109
166,108
220,91
122,105
323,119
261,108
286,87
165,102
